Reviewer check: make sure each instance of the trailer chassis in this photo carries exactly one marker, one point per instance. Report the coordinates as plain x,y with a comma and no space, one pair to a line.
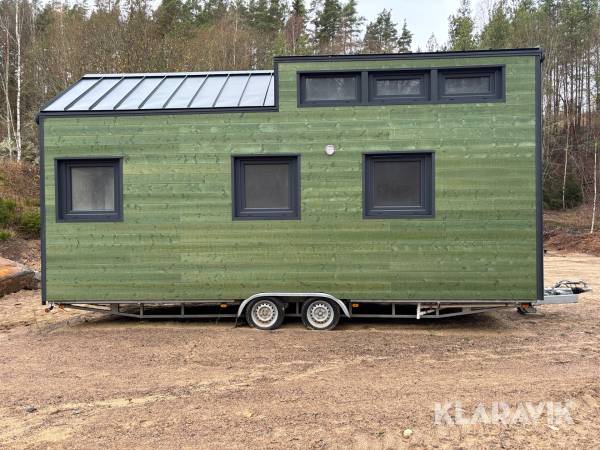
141,310
563,292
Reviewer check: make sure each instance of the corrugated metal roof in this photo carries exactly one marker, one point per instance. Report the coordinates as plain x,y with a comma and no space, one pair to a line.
163,91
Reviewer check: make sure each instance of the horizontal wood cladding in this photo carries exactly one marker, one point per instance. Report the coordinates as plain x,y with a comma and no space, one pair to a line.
178,240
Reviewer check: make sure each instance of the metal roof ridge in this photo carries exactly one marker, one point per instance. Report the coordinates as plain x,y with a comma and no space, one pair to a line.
177,74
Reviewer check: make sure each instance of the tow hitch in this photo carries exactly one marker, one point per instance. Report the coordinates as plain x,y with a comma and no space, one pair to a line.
563,292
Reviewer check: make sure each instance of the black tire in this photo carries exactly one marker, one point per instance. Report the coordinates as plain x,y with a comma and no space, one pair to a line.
320,314
272,304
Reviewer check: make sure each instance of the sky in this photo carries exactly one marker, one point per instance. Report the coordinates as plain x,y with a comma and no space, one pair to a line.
423,17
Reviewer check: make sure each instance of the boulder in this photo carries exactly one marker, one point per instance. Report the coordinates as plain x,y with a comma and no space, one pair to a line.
15,276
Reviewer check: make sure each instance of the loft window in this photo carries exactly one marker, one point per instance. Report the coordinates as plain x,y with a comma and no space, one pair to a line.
266,187
398,185
462,85
329,89
89,190
400,87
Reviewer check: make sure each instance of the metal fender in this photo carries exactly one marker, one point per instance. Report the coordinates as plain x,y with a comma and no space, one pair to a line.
340,303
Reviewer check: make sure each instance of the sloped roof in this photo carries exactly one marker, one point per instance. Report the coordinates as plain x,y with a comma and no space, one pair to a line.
164,91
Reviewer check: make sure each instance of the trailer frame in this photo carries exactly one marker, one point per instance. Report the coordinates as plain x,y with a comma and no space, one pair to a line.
563,292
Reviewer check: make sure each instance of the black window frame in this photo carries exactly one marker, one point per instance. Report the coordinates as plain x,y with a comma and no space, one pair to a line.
433,86
301,90
239,212
496,75
426,210
424,95
64,196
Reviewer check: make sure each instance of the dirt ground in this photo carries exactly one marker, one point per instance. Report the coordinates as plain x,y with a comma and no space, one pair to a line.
80,380
569,231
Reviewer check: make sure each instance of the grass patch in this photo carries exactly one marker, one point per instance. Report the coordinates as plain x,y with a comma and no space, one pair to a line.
8,212
5,235
19,199
29,223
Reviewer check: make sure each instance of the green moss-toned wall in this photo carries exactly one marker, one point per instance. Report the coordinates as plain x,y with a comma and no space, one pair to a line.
178,240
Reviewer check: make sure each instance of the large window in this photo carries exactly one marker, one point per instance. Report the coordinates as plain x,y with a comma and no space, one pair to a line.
462,85
398,185
89,190
266,187
398,87
322,89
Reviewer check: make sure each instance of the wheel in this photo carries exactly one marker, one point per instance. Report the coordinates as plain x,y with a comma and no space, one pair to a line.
265,313
320,314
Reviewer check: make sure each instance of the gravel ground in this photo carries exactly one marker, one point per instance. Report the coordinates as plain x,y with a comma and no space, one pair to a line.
80,380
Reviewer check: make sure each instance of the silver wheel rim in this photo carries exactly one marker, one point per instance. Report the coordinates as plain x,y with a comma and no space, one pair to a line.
320,314
264,313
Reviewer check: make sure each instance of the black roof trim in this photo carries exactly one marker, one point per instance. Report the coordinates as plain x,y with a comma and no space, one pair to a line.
534,51
154,112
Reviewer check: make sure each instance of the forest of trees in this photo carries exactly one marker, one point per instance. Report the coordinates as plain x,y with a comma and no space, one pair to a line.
45,47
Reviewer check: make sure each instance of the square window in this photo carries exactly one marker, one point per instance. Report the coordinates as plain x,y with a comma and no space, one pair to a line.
266,187
398,185
470,84
399,87
89,190
324,89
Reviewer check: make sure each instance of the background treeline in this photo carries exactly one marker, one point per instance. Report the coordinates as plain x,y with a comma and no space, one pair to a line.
44,47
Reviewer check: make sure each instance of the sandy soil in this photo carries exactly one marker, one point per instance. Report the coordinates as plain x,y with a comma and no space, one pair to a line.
117,383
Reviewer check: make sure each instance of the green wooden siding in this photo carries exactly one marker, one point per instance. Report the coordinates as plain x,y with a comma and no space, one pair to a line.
178,240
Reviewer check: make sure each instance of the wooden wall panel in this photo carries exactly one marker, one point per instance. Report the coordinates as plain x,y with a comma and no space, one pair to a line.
178,240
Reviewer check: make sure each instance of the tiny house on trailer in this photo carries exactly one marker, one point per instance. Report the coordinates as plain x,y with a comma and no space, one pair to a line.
395,185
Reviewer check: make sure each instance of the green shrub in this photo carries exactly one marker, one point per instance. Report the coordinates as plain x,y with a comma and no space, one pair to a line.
4,235
553,194
8,210
32,202
29,223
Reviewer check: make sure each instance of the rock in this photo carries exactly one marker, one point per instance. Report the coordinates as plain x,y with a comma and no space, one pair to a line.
37,280
30,408
407,433
15,276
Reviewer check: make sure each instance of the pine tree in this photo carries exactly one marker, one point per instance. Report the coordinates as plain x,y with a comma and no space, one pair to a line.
209,11
405,40
326,24
461,28
496,32
381,35
295,36
349,28
265,18
169,16
298,8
